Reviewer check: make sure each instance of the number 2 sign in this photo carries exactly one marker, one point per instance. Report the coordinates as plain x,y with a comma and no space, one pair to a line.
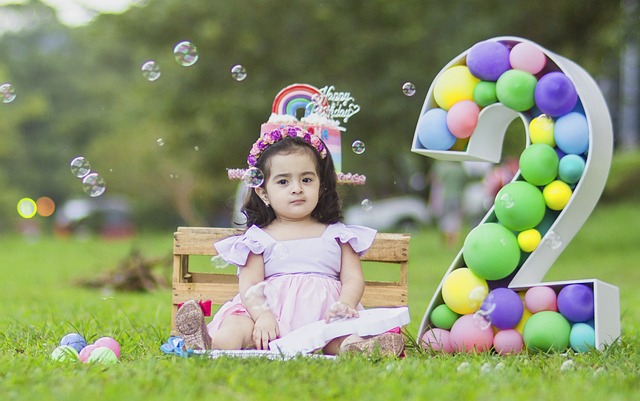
492,296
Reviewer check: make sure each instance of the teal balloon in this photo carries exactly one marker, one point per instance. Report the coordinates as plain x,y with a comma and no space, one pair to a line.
547,331
443,317
539,164
570,168
519,206
491,251
484,93
515,89
582,337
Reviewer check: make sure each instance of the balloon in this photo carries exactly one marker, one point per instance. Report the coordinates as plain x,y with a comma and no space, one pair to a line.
437,340
454,85
528,240
541,130
538,299
519,206
527,57
555,94
526,314
556,195
582,337
571,133
484,93
488,60
508,342
433,132
576,303
503,307
463,291
515,90
110,343
491,251
539,164
570,168
547,331
443,317
74,340
467,336
462,118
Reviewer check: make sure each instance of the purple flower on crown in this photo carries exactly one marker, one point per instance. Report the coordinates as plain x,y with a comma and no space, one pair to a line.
262,145
276,135
292,131
307,137
252,160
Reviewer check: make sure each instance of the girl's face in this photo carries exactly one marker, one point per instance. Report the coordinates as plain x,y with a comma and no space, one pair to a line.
293,186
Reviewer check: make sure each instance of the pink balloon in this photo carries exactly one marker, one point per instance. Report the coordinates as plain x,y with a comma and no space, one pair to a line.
437,340
467,335
109,343
85,352
462,118
527,57
538,299
508,342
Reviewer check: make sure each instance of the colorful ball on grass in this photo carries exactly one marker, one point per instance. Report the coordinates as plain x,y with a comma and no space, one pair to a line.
102,355
582,337
462,118
515,90
570,168
538,299
555,94
443,317
454,85
109,343
433,132
527,57
547,331
503,307
526,314
571,133
575,302
508,342
65,353
484,93
437,340
528,240
557,194
463,291
491,251
541,130
74,340
467,336
488,60
539,164
86,352
519,206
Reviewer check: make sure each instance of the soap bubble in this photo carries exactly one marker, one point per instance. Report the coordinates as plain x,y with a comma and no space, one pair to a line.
27,208
506,200
218,263
477,297
253,177
280,251
160,142
486,368
150,70
7,93
567,365
80,167
463,367
196,148
409,89
358,147
552,240
185,53
238,72
93,185
366,204
481,320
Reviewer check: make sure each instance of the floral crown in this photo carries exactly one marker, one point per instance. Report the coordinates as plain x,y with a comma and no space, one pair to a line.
269,138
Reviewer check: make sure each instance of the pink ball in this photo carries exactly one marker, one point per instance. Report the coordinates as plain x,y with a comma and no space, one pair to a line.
437,340
85,352
109,343
527,57
468,336
538,299
508,342
462,118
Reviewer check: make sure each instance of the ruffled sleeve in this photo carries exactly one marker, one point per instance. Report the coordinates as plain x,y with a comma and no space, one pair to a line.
359,237
235,250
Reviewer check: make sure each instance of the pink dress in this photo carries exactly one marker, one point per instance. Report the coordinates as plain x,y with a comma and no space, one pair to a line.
302,276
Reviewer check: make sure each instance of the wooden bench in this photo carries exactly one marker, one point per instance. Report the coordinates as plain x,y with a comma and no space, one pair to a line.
391,249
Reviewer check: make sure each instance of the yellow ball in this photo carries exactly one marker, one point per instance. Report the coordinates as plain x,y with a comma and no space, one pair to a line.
463,291
541,130
454,85
529,239
556,195
525,316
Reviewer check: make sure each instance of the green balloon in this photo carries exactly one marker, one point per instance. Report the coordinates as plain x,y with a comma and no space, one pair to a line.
515,89
443,317
539,164
547,331
491,251
519,206
484,93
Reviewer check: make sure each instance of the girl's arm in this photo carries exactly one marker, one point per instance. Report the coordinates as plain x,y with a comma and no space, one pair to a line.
265,327
352,281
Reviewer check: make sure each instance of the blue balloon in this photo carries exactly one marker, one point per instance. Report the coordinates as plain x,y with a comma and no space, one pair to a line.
582,337
570,168
74,340
432,130
571,133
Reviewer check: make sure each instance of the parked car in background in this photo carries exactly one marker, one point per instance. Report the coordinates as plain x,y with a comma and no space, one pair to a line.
109,217
401,214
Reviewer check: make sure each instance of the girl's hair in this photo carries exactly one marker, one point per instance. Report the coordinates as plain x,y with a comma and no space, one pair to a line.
327,210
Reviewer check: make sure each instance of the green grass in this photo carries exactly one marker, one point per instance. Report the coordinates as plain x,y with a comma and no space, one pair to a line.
41,303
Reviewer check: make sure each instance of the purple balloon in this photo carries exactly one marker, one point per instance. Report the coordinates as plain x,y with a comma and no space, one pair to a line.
575,302
555,94
488,60
503,307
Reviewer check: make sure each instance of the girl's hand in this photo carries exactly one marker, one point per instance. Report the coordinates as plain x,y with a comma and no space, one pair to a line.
265,329
340,310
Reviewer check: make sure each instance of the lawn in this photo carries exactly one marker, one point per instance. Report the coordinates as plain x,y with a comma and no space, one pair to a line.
41,302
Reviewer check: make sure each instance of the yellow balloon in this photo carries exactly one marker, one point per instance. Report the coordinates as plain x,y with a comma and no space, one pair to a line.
541,130
463,291
454,85
529,239
525,316
556,194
